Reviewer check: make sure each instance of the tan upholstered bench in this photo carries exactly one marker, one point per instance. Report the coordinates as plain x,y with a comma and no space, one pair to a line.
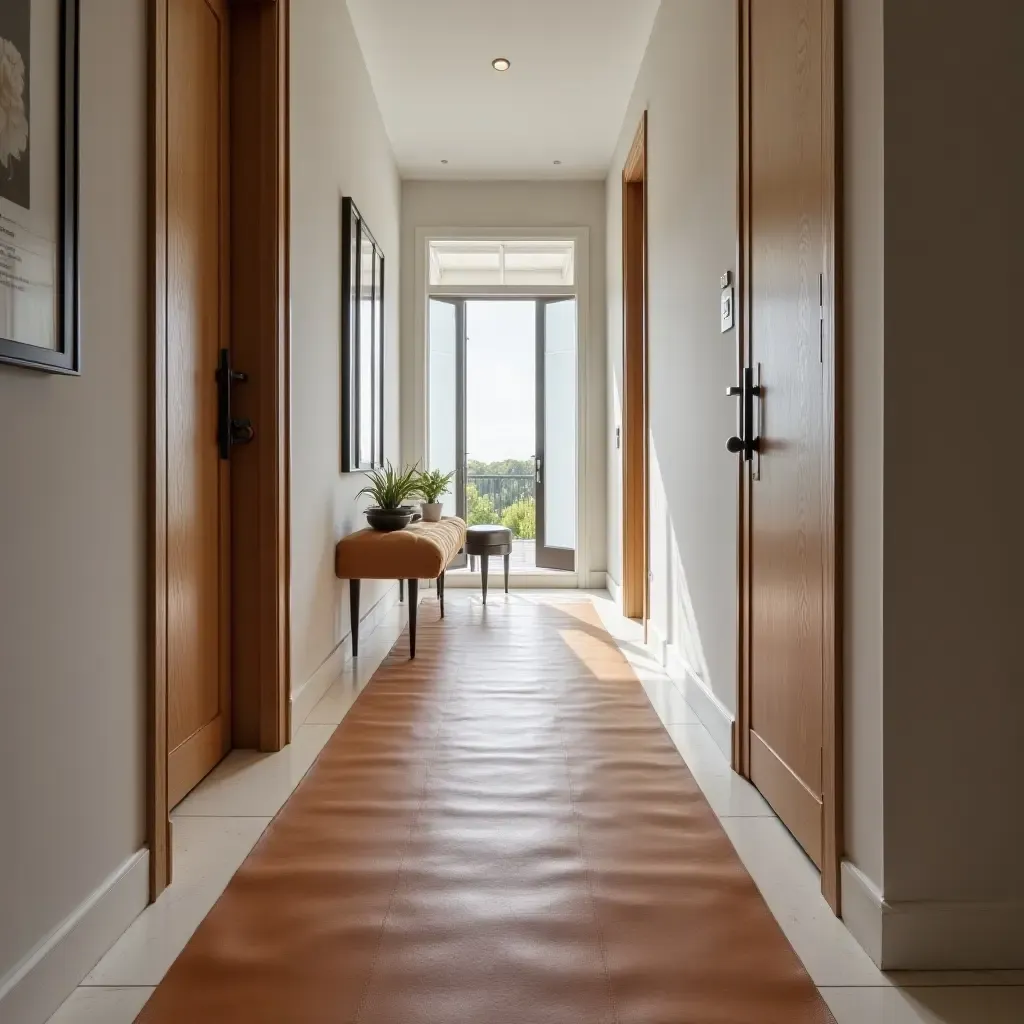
422,551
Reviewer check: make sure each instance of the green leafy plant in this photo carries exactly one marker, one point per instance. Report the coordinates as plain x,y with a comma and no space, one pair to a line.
392,488
433,484
521,518
480,510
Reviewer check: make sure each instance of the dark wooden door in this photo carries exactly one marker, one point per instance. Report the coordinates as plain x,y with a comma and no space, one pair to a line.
198,499
786,581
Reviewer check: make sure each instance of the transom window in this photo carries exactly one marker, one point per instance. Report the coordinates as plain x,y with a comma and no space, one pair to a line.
475,263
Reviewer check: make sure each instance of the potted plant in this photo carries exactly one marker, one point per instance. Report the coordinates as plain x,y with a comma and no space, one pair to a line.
390,489
432,485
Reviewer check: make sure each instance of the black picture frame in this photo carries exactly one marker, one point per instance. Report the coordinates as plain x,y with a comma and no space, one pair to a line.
66,357
362,344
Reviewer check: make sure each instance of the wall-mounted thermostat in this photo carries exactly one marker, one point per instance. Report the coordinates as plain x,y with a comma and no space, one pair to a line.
728,302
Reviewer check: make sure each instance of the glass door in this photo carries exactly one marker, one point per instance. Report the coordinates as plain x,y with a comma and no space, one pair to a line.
446,406
556,434
502,414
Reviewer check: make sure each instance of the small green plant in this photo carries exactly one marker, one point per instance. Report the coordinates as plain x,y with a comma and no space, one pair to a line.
521,518
391,488
433,484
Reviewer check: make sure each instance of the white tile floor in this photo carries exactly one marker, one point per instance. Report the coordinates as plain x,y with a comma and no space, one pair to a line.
220,822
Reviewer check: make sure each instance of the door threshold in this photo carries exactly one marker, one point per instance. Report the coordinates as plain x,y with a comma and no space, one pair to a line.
531,579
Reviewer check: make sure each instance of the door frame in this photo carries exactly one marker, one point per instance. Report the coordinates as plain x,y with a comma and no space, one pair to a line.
260,340
832,477
416,427
635,383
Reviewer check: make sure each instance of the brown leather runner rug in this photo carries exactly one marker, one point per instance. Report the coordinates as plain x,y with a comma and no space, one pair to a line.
499,832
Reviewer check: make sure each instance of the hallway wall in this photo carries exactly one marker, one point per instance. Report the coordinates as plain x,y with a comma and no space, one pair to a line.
864,368
513,204
935,248
954,603
688,85
73,542
339,148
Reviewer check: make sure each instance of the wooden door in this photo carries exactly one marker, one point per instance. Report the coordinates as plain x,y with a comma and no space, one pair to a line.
786,551
198,498
635,543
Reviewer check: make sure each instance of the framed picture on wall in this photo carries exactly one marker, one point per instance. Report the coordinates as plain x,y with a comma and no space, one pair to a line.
362,344
39,184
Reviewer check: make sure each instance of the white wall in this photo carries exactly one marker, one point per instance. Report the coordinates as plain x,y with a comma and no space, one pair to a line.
934,696
688,85
954,548
73,536
339,148
864,366
515,205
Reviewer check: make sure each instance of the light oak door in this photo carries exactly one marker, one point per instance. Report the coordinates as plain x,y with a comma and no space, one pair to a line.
198,514
787,193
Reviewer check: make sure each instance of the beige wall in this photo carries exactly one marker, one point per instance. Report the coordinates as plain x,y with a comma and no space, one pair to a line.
514,205
339,148
72,536
864,310
954,547
688,85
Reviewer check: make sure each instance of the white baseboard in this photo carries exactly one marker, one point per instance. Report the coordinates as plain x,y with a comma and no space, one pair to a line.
612,587
37,987
932,936
862,909
308,695
713,714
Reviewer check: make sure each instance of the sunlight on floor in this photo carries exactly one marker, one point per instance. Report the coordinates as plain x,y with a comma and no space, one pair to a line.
220,822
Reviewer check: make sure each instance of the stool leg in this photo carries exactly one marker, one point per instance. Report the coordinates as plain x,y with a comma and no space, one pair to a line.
401,591
484,559
353,607
440,591
508,559
413,595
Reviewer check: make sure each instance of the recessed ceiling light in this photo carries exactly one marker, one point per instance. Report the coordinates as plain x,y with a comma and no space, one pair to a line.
501,63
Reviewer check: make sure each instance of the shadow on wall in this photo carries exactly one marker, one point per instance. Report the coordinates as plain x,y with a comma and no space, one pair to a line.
672,610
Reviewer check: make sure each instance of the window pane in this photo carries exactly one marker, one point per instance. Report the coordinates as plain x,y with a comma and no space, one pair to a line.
560,424
538,262
465,263
443,394
544,263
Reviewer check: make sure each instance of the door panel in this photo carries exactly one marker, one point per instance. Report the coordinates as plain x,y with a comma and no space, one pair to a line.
556,434
443,454
786,545
198,515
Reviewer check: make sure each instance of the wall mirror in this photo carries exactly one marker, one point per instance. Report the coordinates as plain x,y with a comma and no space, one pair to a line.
362,344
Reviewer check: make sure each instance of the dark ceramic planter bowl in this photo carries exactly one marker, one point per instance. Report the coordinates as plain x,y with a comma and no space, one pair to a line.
388,520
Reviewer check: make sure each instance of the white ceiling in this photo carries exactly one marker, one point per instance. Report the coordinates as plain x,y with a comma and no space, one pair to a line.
574,64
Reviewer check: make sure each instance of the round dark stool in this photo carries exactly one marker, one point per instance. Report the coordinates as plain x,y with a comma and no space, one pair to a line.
484,541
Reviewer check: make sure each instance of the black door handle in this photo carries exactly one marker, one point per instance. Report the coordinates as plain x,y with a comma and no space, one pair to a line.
230,431
746,444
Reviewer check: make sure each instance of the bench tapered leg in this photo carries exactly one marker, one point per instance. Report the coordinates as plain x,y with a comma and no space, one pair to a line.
440,592
484,559
413,595
353,591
